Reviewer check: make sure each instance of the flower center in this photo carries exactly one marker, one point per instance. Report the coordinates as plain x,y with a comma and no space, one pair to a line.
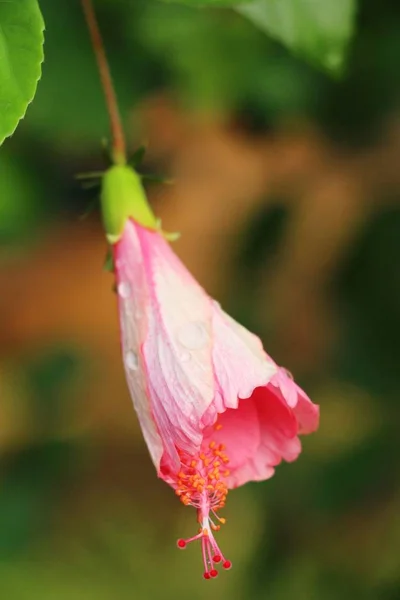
201,483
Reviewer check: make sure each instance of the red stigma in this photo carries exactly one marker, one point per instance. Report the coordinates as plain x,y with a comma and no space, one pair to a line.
214,573
217,558
227,564
181,544
206,575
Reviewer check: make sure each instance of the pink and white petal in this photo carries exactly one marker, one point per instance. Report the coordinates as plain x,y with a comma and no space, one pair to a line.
132,302
240,364
287,386
257,436
307,413
249,339
177,348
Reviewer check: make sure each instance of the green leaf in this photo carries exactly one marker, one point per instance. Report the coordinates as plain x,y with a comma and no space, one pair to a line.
318,30
21,57
208,2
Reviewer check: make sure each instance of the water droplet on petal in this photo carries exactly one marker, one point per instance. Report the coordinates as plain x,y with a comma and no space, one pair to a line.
124,289
193,335
132,361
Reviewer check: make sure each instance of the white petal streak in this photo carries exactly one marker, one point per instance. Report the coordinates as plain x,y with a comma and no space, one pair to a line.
177,348
132,301
240,363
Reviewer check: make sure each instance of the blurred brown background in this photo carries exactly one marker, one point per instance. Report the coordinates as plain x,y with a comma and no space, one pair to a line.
287,198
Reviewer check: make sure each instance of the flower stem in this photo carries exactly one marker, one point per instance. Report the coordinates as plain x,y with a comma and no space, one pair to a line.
118,139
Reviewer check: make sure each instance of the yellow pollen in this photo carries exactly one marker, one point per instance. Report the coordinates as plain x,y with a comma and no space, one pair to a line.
201,478
217,426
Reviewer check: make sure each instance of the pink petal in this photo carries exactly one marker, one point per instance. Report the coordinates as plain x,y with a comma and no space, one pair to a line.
239,361
307,414
132,300
177,346
257,436
188,364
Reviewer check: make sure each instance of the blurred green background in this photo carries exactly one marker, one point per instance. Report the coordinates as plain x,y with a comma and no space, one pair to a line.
287,197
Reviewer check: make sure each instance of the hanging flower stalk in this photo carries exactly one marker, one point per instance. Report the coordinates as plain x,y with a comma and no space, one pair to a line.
214,408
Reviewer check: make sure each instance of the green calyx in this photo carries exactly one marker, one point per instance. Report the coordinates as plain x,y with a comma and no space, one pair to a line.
122,198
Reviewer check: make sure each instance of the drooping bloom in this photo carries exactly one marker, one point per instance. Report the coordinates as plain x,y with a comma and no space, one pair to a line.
214,408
